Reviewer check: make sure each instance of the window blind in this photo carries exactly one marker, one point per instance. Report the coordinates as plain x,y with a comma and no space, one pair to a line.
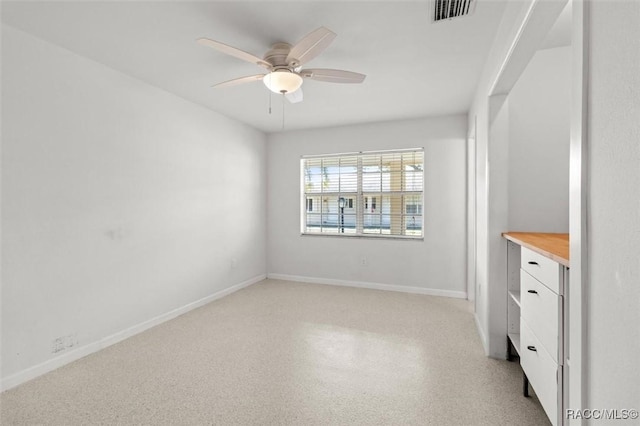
377,193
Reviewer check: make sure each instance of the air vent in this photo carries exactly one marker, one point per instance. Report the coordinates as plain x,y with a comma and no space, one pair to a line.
448,9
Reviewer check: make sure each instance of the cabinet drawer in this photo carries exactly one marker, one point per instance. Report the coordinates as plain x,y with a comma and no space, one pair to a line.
542,268
540,370
542,309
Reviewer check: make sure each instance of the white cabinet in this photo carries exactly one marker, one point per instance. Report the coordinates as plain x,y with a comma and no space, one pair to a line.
536,323
542,371
543,269
541,329
541,308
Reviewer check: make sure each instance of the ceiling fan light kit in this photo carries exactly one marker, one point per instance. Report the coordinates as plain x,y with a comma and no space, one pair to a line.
282,81
284,63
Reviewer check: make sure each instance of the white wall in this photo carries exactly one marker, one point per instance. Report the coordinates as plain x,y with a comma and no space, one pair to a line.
613,314
505,64
497,215
479,112
613,340
120,202
437,263
539,107
527,181
471,212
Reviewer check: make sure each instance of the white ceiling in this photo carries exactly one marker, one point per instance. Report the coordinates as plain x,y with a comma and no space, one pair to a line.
414,67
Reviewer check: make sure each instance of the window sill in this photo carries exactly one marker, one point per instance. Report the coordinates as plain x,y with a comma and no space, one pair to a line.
365,237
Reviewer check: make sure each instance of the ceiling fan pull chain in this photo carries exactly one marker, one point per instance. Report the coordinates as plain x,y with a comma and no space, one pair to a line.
282,110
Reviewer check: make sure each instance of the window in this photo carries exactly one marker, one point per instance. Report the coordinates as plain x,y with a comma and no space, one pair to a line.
373,203
364,194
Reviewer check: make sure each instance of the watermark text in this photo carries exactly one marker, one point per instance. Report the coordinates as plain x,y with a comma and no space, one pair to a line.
602,414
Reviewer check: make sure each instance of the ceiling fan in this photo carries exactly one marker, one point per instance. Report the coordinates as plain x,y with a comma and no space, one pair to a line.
284,64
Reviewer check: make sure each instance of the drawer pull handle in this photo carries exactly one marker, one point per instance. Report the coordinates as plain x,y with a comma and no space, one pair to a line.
532,291
533,263
532,348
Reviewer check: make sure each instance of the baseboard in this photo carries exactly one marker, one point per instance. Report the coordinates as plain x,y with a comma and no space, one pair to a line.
73,355
483,338
375,286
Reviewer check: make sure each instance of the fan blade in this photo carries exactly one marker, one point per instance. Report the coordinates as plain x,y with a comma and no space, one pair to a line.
333,76
240,80
232,51
310,46
294,97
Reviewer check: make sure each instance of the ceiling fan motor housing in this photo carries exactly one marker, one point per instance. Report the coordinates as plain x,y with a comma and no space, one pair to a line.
277,56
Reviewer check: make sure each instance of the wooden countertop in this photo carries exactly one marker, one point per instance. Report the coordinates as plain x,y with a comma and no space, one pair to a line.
553,246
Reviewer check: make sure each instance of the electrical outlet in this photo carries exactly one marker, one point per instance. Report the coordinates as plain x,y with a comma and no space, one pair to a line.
364,261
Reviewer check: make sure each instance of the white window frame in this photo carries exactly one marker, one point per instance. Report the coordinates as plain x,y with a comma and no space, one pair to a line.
360,197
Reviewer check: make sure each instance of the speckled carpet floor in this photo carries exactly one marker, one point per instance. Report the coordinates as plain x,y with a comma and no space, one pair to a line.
283,353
